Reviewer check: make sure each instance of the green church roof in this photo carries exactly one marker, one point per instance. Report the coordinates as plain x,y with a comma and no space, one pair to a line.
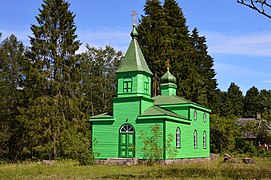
134,59
161,100
158,111
168,78
102,117
174,100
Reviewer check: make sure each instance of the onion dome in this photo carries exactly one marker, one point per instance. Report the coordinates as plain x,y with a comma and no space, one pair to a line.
168,78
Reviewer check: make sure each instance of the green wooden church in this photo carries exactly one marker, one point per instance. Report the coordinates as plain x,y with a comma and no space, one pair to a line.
117,134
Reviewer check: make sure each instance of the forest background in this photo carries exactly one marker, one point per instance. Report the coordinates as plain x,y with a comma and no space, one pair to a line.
48,91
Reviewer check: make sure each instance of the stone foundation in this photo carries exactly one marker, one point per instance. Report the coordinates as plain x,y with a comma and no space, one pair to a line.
134,161
119,161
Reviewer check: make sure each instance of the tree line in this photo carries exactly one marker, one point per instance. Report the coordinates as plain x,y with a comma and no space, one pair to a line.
48,91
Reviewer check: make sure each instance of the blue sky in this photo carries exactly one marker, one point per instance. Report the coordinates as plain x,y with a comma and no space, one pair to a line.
238,38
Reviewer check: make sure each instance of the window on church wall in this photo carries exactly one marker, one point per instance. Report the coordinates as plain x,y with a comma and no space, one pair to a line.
127,128
204,117
204,139
146,87
195,139
178,138
195,115
127,84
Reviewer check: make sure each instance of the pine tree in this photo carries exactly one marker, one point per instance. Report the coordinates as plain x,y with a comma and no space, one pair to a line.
98,67
151,36
204,64
164,35
180,52
252,102
52,116
11,55
233,105
265,103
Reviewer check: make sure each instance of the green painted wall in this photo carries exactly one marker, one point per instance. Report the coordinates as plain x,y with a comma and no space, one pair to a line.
168,89
138,84
180,110
187,149
145,127
105,136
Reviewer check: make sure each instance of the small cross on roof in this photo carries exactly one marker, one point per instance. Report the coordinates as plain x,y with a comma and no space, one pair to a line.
134,14
167,64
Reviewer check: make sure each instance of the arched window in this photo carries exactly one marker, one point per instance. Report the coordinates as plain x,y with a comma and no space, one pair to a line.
127,84
195,115
204,139
178,138
204,117
127,128
195,139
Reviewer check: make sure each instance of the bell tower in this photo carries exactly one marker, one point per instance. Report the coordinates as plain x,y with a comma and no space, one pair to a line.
133,80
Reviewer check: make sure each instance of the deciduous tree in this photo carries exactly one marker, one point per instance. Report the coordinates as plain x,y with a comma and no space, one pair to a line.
261,6
98,68
224,131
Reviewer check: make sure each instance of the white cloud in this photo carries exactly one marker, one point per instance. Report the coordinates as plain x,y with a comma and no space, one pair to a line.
117,37
232,70
257,44
266,81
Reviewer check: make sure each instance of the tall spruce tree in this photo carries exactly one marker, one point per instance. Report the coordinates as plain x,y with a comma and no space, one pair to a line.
151,36
53,123
233,105
164,35
252,102
180,52
204,65
11,56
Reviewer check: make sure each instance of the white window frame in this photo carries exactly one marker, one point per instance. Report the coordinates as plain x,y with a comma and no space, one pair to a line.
178,138
195,115
195,140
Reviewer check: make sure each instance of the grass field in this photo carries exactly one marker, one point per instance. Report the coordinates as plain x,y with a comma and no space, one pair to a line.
192,170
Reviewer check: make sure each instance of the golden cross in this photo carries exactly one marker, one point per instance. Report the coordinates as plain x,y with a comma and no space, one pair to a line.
167,64
134,14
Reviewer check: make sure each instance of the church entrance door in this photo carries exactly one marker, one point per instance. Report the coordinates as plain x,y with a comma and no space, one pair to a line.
127,141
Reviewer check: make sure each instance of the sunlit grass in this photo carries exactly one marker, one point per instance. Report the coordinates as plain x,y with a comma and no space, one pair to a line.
190,170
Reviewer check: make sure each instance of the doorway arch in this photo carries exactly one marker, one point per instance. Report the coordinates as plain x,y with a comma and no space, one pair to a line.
127,141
